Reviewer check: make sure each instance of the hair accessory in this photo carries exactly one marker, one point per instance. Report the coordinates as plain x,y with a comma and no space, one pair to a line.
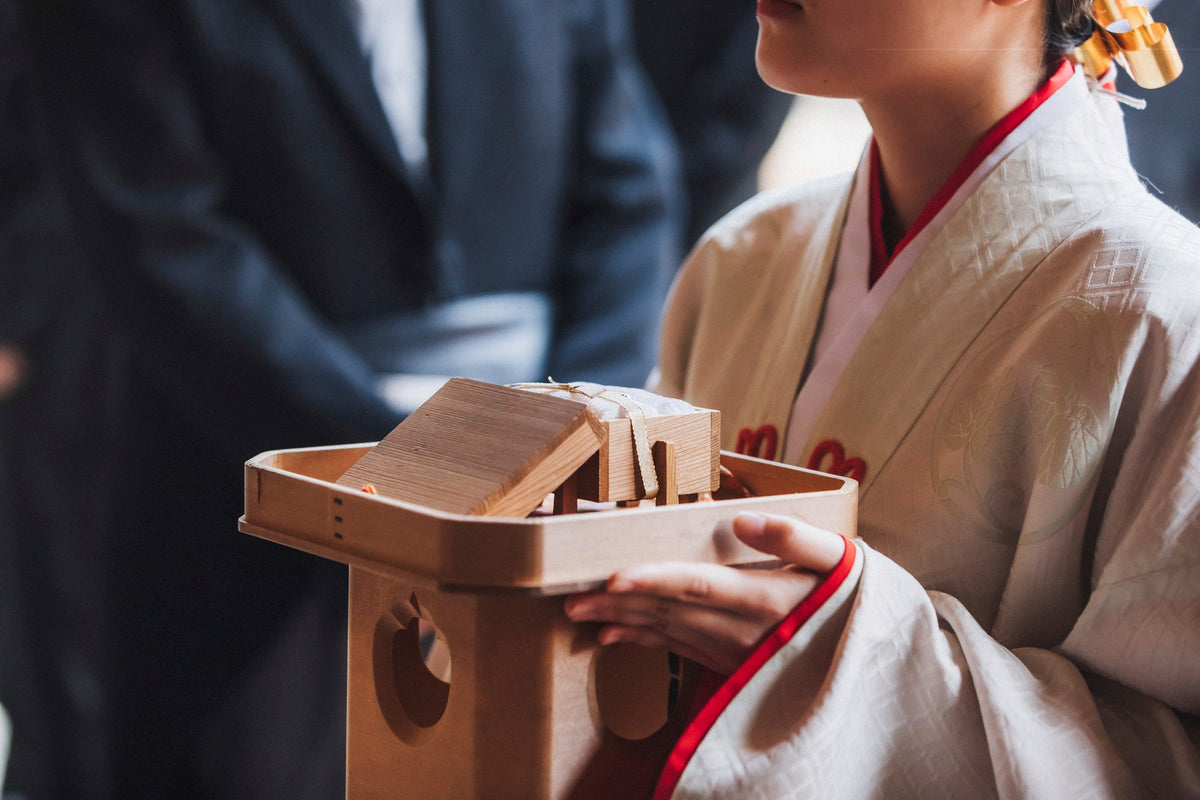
1129,36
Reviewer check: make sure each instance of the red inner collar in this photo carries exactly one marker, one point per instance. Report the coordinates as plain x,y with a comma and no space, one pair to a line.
880,257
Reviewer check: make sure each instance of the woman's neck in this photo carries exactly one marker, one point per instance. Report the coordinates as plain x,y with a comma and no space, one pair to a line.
923,135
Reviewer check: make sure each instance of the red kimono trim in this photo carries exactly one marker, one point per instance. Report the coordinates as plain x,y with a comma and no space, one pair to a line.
699,727
880,257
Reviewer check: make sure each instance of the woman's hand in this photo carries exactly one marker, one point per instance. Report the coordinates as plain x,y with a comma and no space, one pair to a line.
712,614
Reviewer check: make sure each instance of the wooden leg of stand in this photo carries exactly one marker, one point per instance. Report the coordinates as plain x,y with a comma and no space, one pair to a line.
664,465
566,499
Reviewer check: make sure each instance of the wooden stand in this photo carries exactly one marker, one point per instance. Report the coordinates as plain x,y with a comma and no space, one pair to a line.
520,715
465,677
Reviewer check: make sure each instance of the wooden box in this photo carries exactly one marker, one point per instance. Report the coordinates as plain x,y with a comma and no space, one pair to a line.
520,716
466,679
477,448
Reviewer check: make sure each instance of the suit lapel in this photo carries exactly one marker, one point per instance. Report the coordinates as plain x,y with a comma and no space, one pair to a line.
325,31
479,55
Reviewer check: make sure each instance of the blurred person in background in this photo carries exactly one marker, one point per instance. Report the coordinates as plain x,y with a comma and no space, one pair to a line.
723,115
57,387
301,218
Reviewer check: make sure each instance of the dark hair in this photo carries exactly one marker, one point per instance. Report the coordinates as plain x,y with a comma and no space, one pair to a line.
1068,25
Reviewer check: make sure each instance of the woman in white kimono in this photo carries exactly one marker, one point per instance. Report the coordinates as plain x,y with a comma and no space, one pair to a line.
996,330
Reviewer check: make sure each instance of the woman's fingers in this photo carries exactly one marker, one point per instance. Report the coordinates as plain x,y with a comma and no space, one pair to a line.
760,594
713,637
775,594
713,615
707,612
791,540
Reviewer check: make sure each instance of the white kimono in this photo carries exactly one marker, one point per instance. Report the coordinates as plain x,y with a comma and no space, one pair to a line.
1020,397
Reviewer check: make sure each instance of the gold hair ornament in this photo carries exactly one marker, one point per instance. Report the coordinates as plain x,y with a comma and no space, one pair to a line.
1128,35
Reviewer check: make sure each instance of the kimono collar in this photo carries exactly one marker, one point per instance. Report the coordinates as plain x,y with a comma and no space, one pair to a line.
815,419
881,258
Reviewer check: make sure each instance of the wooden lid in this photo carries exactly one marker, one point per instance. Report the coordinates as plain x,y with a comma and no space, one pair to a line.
478,448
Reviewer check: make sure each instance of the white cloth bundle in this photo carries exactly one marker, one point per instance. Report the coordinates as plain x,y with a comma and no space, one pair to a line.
613,402
618,402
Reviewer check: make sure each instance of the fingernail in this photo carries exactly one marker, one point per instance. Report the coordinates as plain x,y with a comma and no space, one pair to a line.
609,636
620,585
630,578
576,609
751,522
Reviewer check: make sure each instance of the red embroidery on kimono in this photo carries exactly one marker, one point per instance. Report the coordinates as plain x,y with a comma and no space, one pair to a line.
854,468
761,443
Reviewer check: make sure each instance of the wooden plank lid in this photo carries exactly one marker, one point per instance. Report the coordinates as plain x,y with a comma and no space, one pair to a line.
478,448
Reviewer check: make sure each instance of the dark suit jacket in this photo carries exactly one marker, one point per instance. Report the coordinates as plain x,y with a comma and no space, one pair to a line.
53,435
242,200
245,195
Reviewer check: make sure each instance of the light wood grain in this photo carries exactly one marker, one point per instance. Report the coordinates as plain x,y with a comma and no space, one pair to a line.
611,475
544,554
519,719
477,448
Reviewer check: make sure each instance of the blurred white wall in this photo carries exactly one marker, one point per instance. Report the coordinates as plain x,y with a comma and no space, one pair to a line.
819,137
